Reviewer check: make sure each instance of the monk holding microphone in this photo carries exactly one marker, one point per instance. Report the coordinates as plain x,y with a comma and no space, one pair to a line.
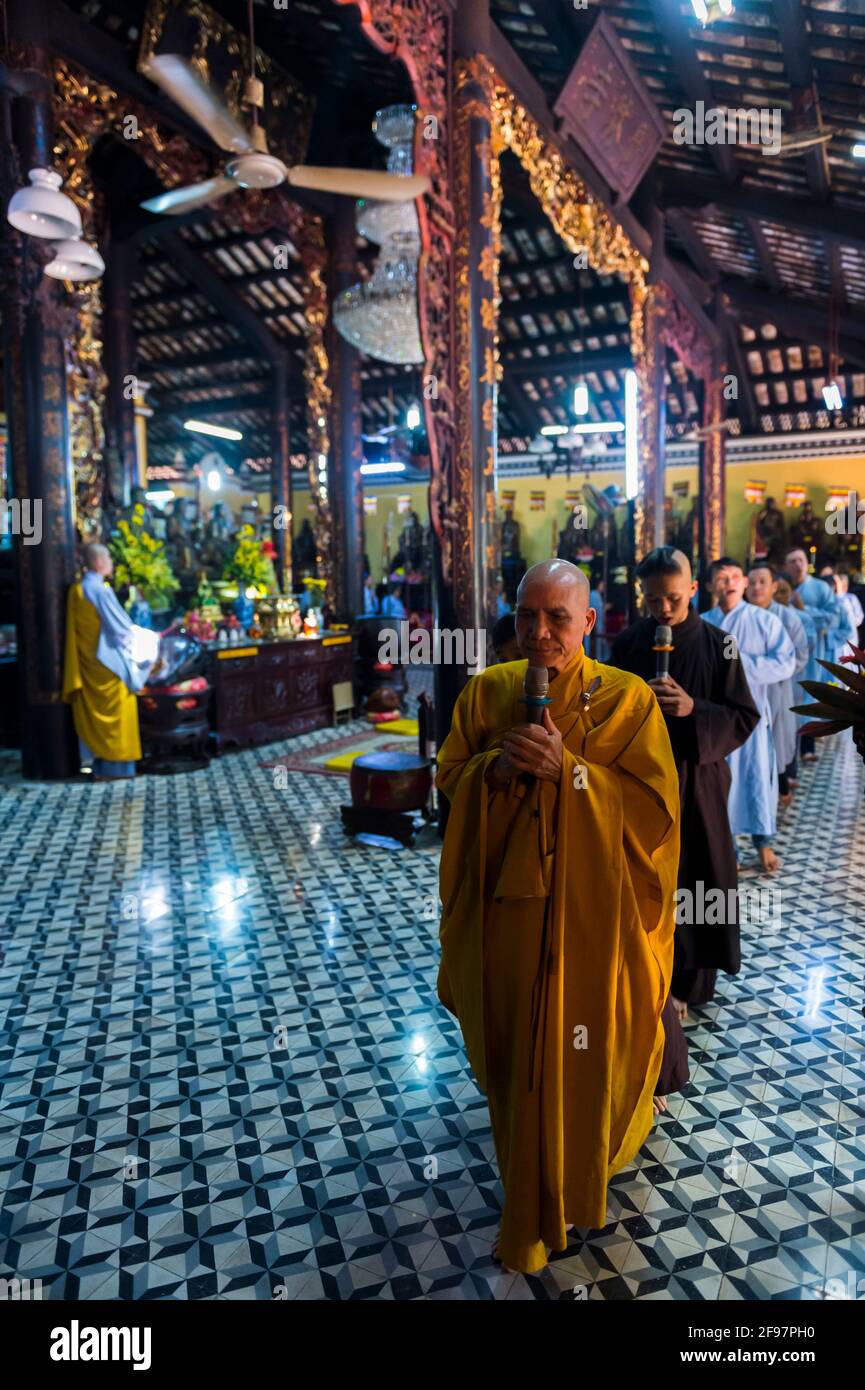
558,875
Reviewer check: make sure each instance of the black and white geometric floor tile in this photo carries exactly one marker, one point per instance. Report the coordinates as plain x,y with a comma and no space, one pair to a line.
225,1073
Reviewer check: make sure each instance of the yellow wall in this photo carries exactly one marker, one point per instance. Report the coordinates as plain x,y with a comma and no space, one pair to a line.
536,527
374,527
816,475
539,530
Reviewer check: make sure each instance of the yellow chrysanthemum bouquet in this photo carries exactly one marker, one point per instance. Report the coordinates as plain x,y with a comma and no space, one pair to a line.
140,562
250,566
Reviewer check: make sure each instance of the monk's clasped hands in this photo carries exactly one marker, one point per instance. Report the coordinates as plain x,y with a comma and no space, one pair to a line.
532,748
671,697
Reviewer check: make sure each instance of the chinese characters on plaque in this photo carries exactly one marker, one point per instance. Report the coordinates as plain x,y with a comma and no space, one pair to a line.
605,108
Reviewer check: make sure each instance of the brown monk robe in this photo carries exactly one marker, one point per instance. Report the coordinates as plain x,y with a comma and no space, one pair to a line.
557,879
709,712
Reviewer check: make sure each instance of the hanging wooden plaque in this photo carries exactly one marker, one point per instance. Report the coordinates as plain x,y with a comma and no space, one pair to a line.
606,109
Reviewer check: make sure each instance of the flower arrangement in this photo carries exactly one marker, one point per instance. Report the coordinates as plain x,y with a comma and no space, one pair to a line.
250,565
140,561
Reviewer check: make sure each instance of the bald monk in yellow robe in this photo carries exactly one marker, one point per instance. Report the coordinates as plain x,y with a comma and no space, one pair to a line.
108,658
558,876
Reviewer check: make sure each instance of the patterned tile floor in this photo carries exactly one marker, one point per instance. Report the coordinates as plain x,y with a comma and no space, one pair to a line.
225,1074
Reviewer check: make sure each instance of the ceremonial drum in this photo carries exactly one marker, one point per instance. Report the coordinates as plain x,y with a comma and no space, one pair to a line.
390,782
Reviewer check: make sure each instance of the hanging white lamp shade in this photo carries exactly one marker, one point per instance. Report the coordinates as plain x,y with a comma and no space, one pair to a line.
75,260
42,210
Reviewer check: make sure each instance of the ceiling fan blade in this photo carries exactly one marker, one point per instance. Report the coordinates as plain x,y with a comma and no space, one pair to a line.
360,183
799,143
196,195
181,82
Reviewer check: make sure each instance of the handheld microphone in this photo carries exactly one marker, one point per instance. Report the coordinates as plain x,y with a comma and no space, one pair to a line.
662,648
536,693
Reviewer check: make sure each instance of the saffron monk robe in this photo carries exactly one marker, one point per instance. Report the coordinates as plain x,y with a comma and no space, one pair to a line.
558,875
709,711
108,658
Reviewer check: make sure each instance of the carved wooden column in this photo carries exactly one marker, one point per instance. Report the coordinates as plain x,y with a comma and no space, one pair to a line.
476,250
713,460
420,37
120,361
653,424
35,326
345,428
281,501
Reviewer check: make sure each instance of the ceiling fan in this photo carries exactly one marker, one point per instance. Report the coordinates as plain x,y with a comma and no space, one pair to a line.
251,165
799,142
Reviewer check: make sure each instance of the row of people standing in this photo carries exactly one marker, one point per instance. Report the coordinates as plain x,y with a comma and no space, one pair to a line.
383,600
734,675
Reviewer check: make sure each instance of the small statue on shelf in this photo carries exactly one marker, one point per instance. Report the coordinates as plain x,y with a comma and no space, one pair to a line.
304,550
217,540
178,542
573,538
513,565
411,543
770,533
510,534
806,532
205,600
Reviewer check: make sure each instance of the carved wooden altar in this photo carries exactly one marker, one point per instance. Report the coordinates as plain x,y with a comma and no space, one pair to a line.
276,689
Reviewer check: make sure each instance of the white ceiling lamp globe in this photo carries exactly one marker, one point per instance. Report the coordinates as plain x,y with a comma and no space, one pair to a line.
42,210
75,260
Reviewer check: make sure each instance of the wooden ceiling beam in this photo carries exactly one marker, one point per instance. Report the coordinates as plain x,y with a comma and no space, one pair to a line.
764,255
811,378
693,243
836,275
158,227
237,282
569,363
222,296
793,33
206,410
520,408
235,355
512,348
802,321
179,327
746,401
379,388
603,296
673,29
836,224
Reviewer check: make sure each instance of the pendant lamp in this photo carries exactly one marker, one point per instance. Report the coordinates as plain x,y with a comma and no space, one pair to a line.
42,210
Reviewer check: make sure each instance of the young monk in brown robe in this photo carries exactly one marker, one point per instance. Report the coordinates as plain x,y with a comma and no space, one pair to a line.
709,712
557,879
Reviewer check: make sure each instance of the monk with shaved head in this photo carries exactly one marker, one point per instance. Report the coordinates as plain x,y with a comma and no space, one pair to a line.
557,879
710,711
107,660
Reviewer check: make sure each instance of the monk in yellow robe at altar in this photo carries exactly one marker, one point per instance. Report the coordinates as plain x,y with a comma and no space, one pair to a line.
558,876
108,658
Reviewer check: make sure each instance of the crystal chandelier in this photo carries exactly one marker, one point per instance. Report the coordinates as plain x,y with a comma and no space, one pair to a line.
380,316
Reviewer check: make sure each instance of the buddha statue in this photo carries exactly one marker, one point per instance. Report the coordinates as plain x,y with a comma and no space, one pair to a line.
513,566
771,533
